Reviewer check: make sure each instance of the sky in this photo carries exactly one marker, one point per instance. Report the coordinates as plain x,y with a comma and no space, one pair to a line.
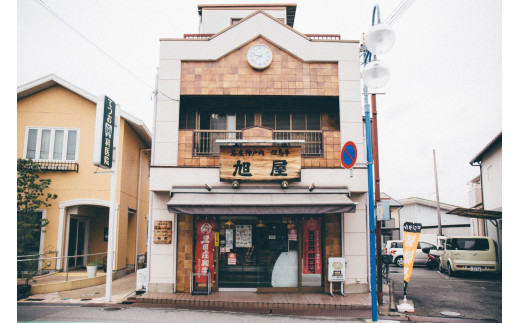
444,93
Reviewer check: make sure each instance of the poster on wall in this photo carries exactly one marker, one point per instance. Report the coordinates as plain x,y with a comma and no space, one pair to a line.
311,255
293,234
204,249
229,240
244,236
232,258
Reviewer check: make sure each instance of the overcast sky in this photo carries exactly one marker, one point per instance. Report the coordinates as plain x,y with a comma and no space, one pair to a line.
444,92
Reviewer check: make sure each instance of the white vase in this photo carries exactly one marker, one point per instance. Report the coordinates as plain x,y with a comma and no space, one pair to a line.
91,271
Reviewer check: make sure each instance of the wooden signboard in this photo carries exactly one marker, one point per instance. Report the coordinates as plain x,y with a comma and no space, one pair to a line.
162,232
260,163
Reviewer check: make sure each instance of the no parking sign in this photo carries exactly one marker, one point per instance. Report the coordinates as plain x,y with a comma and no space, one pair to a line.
348,155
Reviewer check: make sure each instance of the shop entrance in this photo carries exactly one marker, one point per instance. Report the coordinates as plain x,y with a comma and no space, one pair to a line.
260,252
257,251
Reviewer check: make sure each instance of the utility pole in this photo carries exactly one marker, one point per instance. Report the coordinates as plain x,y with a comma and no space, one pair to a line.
377,198
437,195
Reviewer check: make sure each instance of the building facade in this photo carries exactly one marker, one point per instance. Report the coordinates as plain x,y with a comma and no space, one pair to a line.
489,160
56,122
246,179
424,211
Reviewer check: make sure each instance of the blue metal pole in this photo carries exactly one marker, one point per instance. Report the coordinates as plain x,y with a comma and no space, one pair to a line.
370,165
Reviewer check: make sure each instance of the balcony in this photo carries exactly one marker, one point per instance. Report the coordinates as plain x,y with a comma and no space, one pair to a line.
204,141
58,166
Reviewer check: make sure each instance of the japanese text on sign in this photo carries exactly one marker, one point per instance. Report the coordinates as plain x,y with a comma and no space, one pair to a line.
311,246
204,249
260,163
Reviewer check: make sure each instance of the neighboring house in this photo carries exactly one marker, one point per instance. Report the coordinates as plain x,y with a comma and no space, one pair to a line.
485,194
56,129
231,191
489,160
424,211
390,229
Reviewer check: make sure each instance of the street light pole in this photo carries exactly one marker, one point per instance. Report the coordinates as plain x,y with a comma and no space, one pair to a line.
379,40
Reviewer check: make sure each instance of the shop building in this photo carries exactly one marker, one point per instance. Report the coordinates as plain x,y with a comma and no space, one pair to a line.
246,181
55,128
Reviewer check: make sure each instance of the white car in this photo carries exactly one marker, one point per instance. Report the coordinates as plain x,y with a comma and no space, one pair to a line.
395,248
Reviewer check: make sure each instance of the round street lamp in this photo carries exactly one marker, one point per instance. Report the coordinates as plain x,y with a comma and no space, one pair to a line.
380,39
375,74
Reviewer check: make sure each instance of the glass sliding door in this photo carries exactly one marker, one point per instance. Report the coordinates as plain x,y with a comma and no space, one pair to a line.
257,251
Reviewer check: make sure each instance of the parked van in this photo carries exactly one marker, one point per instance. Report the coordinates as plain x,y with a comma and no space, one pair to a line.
473,254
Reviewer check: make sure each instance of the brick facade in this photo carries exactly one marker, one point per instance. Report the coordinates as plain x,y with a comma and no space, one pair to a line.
331,152
332,243
184,252
232,75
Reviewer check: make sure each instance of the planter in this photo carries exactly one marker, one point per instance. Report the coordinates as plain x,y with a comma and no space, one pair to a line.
91,271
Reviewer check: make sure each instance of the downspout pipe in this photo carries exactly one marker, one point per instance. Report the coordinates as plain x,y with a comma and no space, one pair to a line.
138,206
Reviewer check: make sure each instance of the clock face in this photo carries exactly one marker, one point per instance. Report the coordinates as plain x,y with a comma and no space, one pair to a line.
259,56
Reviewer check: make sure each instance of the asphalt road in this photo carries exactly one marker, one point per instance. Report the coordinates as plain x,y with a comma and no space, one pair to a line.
473,296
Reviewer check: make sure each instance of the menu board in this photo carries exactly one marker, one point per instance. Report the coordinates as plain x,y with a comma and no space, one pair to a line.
244,236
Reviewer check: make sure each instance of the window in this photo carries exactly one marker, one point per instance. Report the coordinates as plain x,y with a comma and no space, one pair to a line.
467,244
292,120
51,144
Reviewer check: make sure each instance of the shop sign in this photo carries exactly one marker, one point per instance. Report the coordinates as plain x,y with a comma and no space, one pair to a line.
232,258
260,163
104,132
311,246
244,236
336,269
204,249
162,232
293,236
216,239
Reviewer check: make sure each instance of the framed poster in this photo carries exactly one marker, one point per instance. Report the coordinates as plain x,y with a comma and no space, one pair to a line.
244,236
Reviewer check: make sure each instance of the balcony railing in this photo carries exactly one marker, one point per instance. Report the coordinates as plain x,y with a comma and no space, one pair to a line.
204,140
58,166
313,140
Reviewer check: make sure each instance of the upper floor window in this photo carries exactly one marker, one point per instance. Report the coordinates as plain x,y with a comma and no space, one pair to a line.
292,120
53,144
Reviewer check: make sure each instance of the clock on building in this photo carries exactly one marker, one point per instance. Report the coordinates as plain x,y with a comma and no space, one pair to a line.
259,56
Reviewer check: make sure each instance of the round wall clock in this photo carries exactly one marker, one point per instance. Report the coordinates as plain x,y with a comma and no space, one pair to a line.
259,56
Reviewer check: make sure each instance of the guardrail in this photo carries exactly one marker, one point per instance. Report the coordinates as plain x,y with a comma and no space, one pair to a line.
204,141
88,257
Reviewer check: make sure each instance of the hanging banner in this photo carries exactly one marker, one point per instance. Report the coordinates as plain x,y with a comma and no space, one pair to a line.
204,249
412,231
311,256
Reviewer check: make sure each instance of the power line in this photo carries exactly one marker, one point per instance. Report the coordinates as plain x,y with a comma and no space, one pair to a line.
398,12
46,7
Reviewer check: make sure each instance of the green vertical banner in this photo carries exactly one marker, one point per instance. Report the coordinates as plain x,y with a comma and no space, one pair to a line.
105,129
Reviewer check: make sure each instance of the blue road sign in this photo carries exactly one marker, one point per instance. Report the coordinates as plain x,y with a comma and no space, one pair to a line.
348,155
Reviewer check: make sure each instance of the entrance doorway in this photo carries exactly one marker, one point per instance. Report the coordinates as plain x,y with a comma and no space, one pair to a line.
261,253
77,229
257,251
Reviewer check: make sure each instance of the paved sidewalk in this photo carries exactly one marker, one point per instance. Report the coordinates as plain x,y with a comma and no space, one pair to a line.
121,289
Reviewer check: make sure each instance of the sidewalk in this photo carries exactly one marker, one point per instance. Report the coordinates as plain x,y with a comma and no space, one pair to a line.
121,289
